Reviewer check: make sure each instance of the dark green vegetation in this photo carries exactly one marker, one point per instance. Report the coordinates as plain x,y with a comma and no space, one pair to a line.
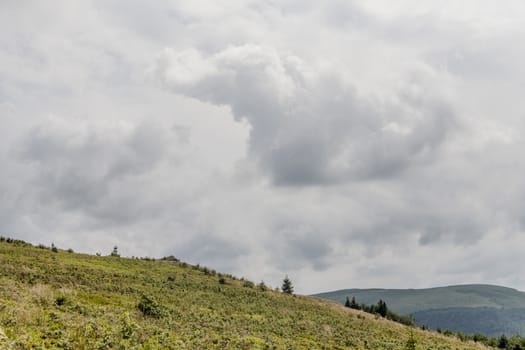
287,286
380,309
483,309
486,321
58,299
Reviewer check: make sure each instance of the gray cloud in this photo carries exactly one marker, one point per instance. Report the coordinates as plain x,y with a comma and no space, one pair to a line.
308,128
341,143
92,167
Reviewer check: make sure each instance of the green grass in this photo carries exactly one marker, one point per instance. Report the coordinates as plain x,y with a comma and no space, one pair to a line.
65,300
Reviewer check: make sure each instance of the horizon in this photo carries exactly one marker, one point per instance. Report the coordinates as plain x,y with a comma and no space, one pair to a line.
423,288
159,258
340,143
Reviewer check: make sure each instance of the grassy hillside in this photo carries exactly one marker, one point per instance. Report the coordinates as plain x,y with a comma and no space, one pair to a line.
74,301
484,309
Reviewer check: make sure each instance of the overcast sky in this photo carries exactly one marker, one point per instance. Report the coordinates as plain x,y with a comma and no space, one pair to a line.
348,144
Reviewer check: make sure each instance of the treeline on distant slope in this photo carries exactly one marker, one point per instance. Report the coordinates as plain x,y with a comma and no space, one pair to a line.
380,309
515,342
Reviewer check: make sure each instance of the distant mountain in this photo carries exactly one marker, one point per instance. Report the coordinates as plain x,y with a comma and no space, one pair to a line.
477,308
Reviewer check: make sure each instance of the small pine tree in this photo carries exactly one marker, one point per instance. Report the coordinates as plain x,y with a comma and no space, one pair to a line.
287,286
503,342
381,308
54,249
347,302
354,305
115,252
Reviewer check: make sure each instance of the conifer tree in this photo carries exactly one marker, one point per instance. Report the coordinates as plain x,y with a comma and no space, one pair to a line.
503,342
287,286
353,304
381,308
347,302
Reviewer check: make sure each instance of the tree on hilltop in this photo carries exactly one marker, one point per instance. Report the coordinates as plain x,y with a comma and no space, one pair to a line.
287,286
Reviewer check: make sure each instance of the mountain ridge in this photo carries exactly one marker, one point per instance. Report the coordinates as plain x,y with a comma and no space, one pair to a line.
466,307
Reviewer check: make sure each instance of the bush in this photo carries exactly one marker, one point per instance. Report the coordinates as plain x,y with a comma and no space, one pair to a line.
149,306
262,287
248,284
222,280
60,300
411,343
170,258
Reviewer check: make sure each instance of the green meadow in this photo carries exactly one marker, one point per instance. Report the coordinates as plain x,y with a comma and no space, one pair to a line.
64,300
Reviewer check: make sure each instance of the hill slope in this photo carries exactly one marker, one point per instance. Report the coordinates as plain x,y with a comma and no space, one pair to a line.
486,309
75,301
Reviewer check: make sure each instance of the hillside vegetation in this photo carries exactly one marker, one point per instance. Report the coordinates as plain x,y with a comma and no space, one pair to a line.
59,299
485,309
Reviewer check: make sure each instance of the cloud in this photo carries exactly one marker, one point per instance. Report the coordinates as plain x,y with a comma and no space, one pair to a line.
90,166
341,143
308,127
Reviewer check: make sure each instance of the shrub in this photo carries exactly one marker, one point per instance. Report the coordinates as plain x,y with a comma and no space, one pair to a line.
170,258
128,327
222,280
248,284
60,300
149,306
262,287
411,343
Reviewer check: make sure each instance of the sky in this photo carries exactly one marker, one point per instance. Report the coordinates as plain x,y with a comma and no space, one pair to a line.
346,144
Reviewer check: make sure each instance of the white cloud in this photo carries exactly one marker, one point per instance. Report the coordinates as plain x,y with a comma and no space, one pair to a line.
345,144
306,127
